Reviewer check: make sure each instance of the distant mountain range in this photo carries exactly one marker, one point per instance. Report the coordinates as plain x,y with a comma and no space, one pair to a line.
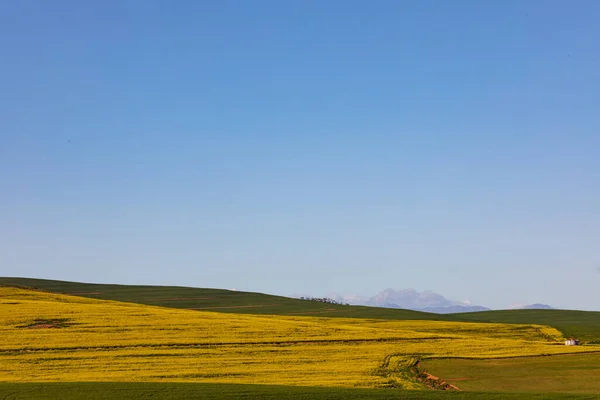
412,299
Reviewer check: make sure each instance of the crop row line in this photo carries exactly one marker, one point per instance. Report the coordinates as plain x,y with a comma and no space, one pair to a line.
226,344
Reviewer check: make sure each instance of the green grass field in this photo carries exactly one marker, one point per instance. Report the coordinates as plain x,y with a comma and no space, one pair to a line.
584,325
567,373
207,391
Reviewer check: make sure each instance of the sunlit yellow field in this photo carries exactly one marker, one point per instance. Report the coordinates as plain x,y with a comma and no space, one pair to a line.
50,337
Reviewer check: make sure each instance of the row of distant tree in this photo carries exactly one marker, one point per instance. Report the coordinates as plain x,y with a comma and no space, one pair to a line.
325,300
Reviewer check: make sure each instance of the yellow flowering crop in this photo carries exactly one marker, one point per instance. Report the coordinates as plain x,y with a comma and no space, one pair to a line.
51,337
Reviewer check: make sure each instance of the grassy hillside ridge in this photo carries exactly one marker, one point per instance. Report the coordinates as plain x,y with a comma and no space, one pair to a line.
584,325
209,391
54,337
220,300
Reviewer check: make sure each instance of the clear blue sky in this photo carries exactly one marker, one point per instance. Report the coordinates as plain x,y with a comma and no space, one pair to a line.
305,146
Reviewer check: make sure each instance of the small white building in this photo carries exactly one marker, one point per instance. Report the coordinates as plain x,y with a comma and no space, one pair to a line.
571,342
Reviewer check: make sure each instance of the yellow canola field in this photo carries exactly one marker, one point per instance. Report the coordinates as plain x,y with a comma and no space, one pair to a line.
51,337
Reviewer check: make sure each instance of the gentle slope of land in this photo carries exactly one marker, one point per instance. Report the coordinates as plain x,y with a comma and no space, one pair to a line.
226,301
53,337
582,324
263,339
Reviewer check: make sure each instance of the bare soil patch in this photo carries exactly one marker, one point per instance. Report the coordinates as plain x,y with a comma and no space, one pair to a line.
429,380
437,383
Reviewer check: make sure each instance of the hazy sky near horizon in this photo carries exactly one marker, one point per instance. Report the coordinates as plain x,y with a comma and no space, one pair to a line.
305,146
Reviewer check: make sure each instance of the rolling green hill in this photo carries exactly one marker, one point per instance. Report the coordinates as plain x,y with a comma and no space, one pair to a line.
220,300
584,325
